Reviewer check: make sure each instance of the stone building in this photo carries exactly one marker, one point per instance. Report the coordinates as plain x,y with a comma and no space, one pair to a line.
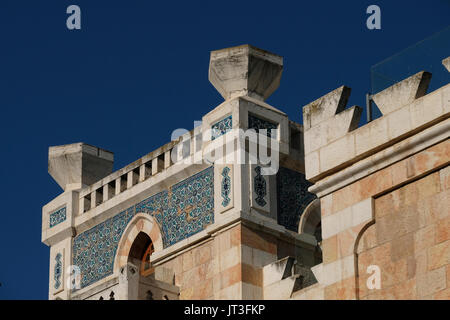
251,205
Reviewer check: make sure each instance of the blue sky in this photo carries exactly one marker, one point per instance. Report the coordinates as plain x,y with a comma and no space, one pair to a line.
137,70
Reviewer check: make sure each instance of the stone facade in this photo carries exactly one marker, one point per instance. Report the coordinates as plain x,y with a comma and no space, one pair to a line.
384,193
337,200
212,226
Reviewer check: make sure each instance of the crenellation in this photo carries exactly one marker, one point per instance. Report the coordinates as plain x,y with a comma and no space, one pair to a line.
328,150
402,93
332,129
446,63
379,193
325,107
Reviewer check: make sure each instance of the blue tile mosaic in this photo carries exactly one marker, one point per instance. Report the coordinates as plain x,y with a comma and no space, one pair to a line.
57,217
293,197
57,271
259,187
258,123
225,187
221,127
181,211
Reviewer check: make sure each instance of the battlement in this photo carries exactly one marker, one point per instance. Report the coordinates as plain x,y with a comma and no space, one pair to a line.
334,143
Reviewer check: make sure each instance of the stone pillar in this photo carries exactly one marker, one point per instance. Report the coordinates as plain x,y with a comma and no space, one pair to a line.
128,282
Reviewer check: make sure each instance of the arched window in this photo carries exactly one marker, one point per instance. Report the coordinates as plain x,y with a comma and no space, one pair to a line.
140,253
146,265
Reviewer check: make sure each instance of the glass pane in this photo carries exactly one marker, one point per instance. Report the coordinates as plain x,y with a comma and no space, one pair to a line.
426,55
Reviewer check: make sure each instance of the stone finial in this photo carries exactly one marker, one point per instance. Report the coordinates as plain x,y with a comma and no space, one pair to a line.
325,107
446,63
403,92
76,165
245,70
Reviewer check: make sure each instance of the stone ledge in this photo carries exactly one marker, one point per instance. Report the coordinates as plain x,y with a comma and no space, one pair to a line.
382,159
231,220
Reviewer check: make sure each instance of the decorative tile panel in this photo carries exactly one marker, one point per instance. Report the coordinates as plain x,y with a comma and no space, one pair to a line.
221,127
57,271
258,123
191,207
225,187
57,217
182,211
259,187
293,197
260,190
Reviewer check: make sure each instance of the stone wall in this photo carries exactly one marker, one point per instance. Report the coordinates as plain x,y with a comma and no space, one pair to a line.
410,240
384,193
229,265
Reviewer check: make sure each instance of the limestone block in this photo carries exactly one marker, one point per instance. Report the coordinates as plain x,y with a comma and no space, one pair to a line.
317,270
76,165
349,217
337,152
335,271
325,107
431,282
164,274
399,122
278,271
372,135
231,292
261,258
402,93
129,282
229,258
439,255
446,63
245,70
332,129
280,290
251,292
312,164
426,109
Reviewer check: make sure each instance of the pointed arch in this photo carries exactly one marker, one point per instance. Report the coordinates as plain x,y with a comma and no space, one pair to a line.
311,219
141,222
